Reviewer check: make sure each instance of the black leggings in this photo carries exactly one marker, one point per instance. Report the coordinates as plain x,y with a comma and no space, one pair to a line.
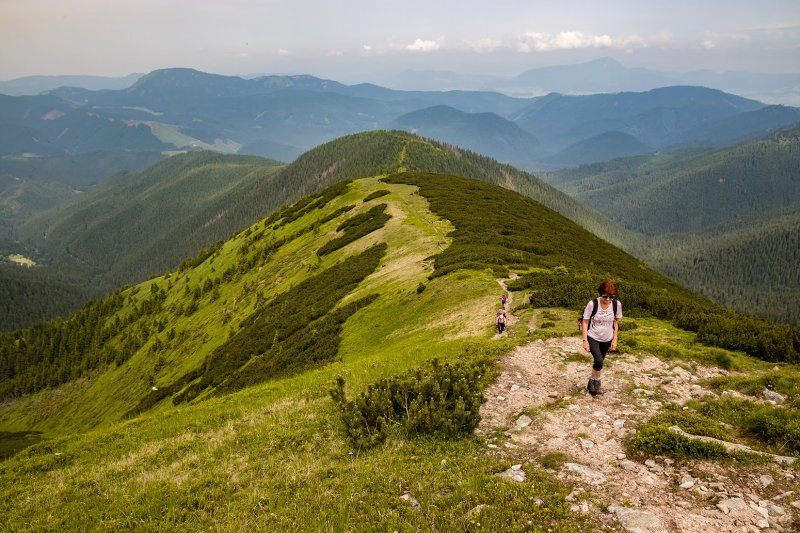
599,351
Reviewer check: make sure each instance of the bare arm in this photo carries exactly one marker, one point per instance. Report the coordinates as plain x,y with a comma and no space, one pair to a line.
585,332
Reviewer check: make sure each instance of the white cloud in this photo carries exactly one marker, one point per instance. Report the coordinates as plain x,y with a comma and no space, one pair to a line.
366,49
422,45
487,45
571,40
283,52
335,53
708,44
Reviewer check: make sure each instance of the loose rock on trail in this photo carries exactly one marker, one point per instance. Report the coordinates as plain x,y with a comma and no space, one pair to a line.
539,405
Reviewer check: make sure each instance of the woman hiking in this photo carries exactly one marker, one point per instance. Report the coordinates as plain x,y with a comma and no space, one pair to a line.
600,326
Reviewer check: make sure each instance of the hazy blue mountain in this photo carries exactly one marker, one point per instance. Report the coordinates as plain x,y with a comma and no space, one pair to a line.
741,127
605,75
602,147
485,133
48,125
32,85
656,118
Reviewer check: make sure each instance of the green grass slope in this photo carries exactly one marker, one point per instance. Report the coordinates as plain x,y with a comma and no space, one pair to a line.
199,399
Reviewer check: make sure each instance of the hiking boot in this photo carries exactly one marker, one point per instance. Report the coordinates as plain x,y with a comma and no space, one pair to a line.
597,388
590,386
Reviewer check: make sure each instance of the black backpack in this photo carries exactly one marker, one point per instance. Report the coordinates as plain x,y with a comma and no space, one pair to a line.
595,304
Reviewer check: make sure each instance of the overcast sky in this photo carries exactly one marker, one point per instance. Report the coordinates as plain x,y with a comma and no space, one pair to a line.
347,40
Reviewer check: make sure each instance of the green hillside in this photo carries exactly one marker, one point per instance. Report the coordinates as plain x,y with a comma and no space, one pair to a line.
750,267
199,399
138,224
690,190
719,221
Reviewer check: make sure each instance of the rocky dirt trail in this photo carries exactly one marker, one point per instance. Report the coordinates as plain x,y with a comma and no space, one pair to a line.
539,405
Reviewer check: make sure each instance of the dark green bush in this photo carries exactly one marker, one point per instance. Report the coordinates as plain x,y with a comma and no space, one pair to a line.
305,205
659,440
776,426
376,194
356,227
443,400
785,381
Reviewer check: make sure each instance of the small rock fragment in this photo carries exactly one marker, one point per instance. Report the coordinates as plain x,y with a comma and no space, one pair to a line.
411,500
523,421
515,473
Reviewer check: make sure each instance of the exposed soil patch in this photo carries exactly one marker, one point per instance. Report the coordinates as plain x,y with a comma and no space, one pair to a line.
539,406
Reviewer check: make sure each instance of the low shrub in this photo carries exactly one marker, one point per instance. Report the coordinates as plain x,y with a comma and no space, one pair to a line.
356,227
376,194
553,460
443,401
657,439
775,426
785,381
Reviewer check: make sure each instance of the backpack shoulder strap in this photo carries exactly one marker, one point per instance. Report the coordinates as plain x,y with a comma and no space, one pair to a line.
615,308
594,304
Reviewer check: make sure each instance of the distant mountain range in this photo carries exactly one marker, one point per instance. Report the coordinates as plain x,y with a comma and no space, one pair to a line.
603,75
33,85
280,117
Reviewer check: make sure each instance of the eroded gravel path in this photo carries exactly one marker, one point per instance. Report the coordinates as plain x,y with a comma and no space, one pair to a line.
622,494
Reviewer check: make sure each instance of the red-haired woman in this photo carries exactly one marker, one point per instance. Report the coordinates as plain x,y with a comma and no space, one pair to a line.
600,327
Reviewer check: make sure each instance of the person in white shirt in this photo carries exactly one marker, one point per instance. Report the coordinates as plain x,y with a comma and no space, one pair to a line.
600,328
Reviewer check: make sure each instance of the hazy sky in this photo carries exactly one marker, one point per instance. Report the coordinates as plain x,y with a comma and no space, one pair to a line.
347,40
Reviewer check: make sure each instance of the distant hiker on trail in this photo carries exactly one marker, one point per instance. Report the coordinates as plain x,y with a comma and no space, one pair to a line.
503,300
600,327
501,320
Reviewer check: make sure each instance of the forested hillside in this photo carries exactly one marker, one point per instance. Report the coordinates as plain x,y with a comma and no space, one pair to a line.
721,221
30,185
131,226
750,267
691,190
